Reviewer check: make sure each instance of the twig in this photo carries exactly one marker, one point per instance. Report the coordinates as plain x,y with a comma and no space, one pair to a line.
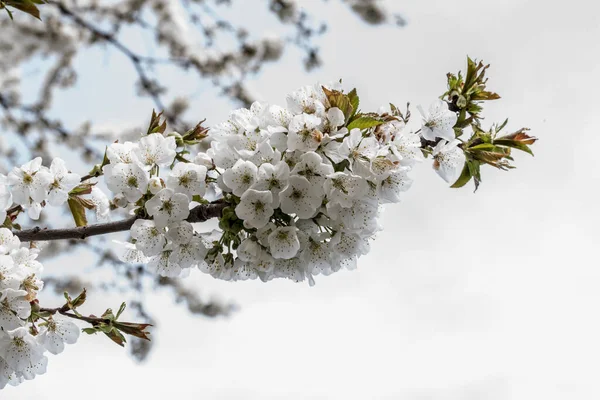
200,213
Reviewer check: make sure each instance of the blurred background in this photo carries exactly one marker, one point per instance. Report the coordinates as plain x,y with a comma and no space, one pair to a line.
490,295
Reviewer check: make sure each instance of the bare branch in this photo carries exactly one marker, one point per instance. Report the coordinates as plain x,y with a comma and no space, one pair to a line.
199,213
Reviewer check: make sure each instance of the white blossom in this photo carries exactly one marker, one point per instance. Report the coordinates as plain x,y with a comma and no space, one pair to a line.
155,185
9,276
396,182
356,148
128,179
300,197
449,160
8,375
101,204
438,122
149,239
5,199
304,134
14,308
63,182
122,153
312,167
20,349
283,242
128,253
163,265
188,178
343,188
8,241
273,178
255,208
30,181
406,147
167,207
156,149
308,99
25,259
58,331
240,177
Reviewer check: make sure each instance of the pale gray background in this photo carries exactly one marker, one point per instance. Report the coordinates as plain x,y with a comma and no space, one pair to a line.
492,295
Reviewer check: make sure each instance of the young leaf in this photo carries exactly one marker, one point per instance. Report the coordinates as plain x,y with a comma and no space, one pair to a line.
78,211
339,100
519,140
464,178
364,122
116,337
354,100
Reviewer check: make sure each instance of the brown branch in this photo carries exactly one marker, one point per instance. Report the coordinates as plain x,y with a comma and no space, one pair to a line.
200,213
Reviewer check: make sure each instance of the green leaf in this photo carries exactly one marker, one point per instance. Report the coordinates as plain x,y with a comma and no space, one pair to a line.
78,211
79,300
519,140
155,125
134,329
27,6
474,169
116,337
354,100
83,188
364,122
90,331
464,178
121,309
470,170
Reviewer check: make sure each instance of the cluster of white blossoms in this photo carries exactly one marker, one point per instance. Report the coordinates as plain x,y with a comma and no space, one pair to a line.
300,188
304,187
32,185
22,344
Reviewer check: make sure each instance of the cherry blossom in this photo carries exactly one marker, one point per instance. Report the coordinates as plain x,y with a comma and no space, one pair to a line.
438,122
188,178
58,331
300,197
448,160
30,181
63,182
255,208
240,177
167,207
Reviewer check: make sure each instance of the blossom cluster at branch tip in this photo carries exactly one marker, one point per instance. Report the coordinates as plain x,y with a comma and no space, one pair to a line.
304,188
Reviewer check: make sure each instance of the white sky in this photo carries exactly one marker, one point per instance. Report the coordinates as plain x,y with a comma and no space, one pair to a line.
491,295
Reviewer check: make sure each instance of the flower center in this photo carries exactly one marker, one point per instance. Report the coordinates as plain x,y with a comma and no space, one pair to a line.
274,183
247,179
282,235
168,206
184,180
259,206
296,194
339,185
132,181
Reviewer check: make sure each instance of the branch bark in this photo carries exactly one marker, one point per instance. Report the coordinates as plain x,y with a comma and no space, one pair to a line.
200,213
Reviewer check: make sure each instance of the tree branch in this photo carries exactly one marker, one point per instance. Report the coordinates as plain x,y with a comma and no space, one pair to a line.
200,213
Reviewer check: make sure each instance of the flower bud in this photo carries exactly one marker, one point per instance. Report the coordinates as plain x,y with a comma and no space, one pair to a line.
155,185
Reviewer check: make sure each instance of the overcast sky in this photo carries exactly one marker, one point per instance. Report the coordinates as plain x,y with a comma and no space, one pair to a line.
492,295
